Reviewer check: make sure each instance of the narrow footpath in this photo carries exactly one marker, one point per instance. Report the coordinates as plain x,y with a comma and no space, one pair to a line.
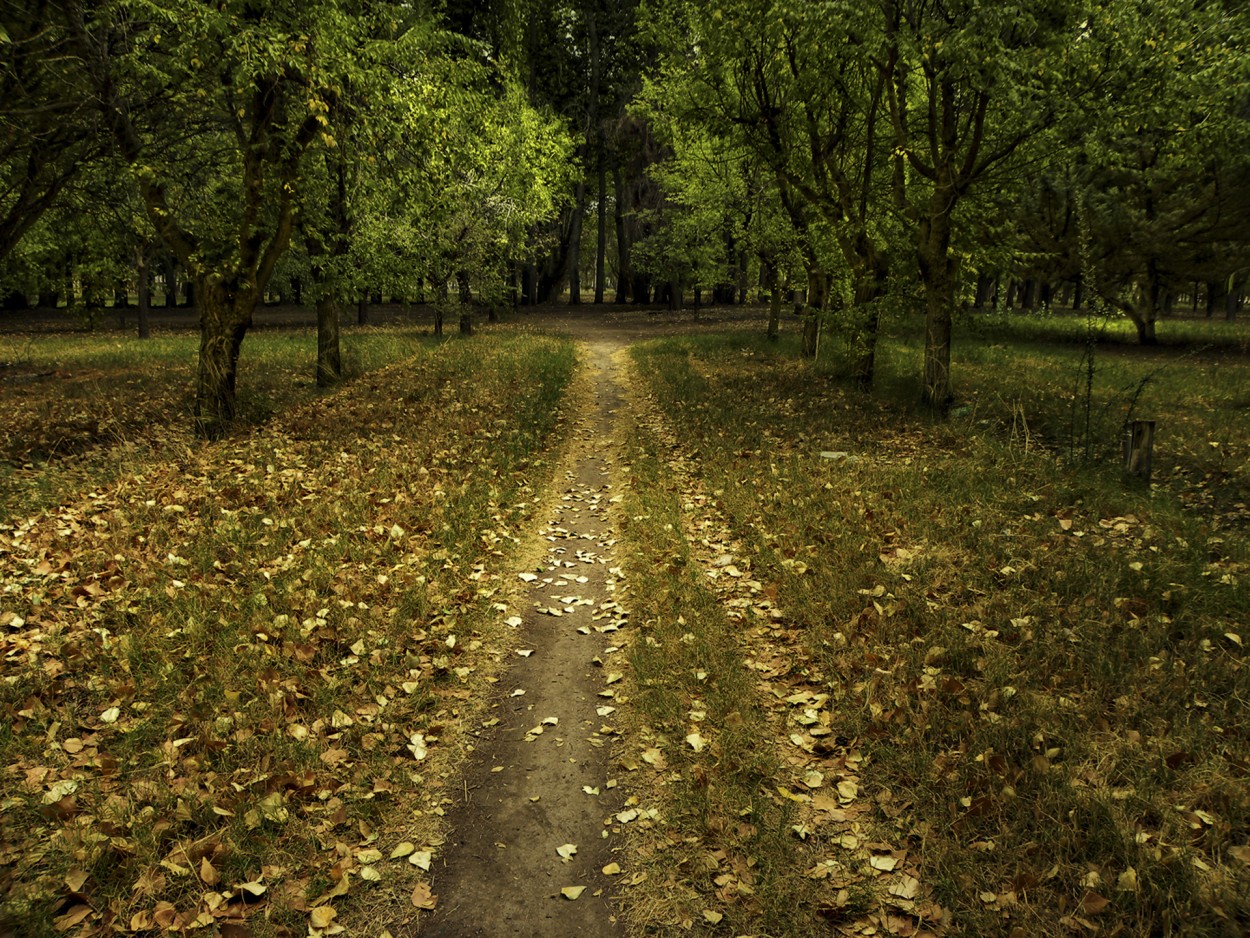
531,835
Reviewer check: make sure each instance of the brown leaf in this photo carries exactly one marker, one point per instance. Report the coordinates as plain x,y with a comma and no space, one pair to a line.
75,916
1093,903
422,897
208,874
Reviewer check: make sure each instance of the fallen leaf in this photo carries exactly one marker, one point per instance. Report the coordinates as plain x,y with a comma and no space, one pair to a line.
73,918
208,874
1093,903
566,851
572,892
322,917
906,888
422,898
422,859
402,850
612,869
712,918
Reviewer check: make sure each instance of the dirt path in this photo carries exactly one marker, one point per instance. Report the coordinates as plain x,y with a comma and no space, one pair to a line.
540,779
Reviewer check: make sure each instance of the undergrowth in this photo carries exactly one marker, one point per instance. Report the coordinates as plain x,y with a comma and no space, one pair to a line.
1042,665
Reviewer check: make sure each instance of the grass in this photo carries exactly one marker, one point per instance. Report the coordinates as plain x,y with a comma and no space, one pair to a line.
81,409
1039,666
216,664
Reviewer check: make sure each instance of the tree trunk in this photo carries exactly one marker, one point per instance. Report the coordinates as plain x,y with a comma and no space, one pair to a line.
1078,293
985,291
362,310
1215,295
601,254
937,272
574,269
225,316
145,293
775,292
870,285
624,273
817,285
171,282
1146,331
465,296
529,284
1028,301
329,358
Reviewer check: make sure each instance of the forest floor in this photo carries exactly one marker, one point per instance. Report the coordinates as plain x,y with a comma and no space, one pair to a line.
612,621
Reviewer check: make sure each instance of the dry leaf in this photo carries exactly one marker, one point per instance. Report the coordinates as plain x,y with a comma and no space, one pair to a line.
422,898
208,875
322,917
572,892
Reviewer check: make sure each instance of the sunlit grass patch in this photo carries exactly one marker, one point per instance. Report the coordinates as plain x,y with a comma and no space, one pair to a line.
1041,664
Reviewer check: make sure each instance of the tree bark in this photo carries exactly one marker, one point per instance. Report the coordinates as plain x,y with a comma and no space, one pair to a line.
870,284
624,272
774,303
601,254
225,316
575,245
937,271
329,356
817,287
144,292
465,295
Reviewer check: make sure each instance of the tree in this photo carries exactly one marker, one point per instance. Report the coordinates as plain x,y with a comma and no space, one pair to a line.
49,130
215,108
1162,175
969,85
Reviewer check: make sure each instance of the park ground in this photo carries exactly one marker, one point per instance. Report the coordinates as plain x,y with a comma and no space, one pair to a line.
638,616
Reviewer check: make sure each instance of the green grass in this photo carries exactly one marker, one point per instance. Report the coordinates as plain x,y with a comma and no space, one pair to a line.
268,615
1027,649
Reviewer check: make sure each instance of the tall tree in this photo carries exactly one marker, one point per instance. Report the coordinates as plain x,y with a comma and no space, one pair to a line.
215,108
968,86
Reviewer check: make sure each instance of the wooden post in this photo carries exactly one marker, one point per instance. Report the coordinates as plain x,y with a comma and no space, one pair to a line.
1138,446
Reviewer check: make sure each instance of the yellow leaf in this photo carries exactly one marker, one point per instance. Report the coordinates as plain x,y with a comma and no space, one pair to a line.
572,892
323,916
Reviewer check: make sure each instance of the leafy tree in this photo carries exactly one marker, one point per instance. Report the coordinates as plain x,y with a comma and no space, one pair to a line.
49,130
1162,176
969,86
215,109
